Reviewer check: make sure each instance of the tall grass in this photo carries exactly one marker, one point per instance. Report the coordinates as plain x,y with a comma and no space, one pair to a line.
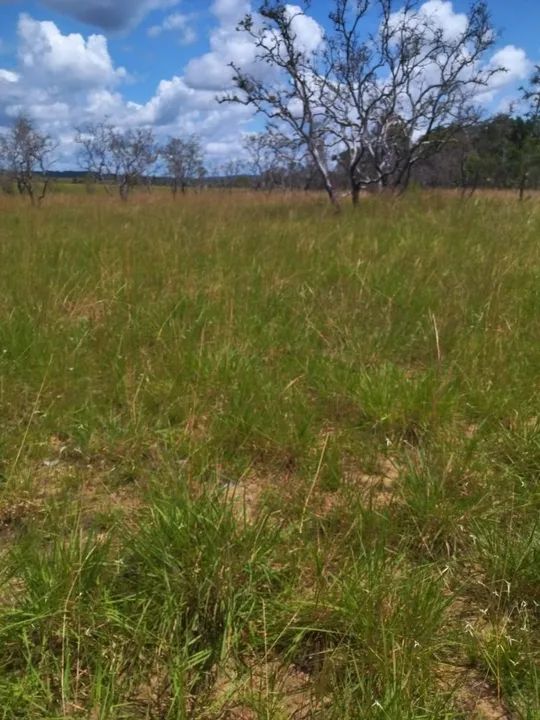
259,461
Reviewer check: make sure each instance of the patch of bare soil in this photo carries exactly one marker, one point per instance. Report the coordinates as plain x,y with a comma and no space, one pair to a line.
249,494
66,475
248,692
378,488
267,690
12,514
476,698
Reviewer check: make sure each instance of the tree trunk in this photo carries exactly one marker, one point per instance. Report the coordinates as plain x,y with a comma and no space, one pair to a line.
327,180
355,194
333,197
43,191
123,189
523,185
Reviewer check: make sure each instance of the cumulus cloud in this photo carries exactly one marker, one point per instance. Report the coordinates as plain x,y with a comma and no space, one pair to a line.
7,76
307,31
229,12
502,86
66,62
180,24
441,13
212,70
516,63
62,80
56,75
438,14
108,14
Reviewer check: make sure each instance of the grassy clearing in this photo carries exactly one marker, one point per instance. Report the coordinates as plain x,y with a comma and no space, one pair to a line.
257,461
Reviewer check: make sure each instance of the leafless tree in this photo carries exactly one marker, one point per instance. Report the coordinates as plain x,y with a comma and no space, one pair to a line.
26,157
386,93
123,157
183,161
276,160
288,97
133,153
370,101
94,154
261,161
233,172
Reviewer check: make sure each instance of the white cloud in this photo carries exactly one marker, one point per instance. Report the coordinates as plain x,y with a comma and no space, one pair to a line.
59,78
7,76
501,94
308,33
212,70
442,14
516,63
66,62
229,12
434,14
180,24
62,81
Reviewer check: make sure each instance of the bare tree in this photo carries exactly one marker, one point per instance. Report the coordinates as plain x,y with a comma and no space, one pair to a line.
126,158
26,156
184,162
6,181
386,93
371,101
271,159
261,160
289,97
233,173
132,155
275,160
94,154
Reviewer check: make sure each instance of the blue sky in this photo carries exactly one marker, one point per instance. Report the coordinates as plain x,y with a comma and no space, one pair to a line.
162,62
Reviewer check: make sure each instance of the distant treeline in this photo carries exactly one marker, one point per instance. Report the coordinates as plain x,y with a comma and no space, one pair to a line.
499,152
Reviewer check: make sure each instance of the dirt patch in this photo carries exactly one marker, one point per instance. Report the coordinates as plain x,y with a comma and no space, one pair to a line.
247,495
270,690
474,696
67,477
284,492
248,691
13,514
379,488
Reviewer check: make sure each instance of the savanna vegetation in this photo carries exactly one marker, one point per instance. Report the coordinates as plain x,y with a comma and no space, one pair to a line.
261,461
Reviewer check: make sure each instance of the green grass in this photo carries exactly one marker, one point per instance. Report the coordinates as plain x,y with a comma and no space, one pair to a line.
261,462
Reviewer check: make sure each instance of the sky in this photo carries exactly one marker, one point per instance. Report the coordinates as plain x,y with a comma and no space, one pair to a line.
162,63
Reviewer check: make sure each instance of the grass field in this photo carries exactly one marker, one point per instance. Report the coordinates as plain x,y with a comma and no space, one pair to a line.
261,462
